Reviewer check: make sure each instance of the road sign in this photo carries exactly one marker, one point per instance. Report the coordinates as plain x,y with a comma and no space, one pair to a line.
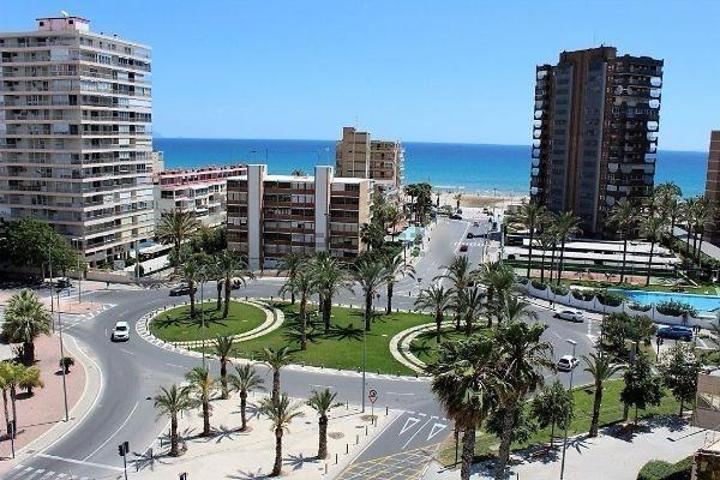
372,396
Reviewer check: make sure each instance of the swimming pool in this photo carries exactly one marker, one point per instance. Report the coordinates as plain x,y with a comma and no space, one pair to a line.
409,234
703,303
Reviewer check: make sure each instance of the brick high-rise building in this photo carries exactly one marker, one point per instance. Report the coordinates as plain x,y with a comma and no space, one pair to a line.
712,185
595,132
357,156
75,139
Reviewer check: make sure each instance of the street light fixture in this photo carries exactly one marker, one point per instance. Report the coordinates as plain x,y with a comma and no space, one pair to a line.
562,464
62,357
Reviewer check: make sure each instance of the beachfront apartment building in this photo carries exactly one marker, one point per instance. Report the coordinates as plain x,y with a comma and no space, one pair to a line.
75,135
270,216
712,185
358,156
202,191
595,125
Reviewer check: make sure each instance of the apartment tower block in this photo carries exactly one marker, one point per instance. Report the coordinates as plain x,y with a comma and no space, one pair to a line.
357,156
595,127
712,185
269,216
75,139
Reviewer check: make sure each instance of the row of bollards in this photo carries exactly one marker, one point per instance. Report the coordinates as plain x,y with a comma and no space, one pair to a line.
373,422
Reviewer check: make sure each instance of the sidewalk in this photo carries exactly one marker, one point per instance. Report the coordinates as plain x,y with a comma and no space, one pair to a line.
611,456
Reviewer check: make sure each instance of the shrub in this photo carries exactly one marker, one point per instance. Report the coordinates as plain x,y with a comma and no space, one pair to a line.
611,299
539,285
559,289
66,363
639,307
676,308
586,295
661,470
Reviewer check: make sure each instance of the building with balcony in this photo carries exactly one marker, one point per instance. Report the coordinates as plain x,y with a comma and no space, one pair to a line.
357,156
712,185
201,191
270,216
595,127
75,135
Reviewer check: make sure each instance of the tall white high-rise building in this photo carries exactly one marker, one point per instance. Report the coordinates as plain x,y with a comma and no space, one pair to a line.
75,135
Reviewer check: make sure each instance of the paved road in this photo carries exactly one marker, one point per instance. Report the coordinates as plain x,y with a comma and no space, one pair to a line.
133,372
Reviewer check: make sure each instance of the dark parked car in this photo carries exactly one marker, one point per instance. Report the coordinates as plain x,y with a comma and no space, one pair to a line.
63,283
675,333
181,290
456,217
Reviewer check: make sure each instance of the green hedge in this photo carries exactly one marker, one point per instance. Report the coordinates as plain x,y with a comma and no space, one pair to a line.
661,470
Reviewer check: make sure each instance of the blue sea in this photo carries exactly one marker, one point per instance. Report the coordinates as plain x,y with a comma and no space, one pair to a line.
474,167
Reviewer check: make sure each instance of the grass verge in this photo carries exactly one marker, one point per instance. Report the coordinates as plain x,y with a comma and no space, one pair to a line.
175,325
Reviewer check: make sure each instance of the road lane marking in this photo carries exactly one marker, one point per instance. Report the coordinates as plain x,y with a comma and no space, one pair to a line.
414,434
406,394
127,419
435,429
80,462
409,423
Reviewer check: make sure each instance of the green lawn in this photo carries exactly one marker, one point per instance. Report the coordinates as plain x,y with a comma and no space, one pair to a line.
424,346
342,347
176,325
611,412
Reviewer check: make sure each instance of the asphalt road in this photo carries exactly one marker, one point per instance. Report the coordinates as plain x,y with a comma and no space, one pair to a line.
132,373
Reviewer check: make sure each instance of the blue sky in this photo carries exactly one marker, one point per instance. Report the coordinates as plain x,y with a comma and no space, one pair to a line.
443,71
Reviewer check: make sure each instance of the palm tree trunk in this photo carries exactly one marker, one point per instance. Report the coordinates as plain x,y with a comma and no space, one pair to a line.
552,435
218,285
626,412
327,313
687,251
624,258
277,466
561,261
13,399
192,299
243,410
390,286
438,325
303,323
174,451
5,408
223,378
505,441
552,263
368,310
322,441
276,384
695,238
597,403
682,404
468,452
542,267
530,250
650,257
699,253
28,353
206,418
226,306
468,325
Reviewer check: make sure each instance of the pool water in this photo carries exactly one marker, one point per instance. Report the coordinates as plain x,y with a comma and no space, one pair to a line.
409,234
703,303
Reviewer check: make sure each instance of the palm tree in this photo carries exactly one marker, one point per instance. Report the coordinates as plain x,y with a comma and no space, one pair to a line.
370,274
458,198
437,299
176,227
302,284
223,348
245,380
30,377
601,368
566,225
290,264
322,402
202,386
472,306
231,266
499,278
624,215
172,402
191,272
18,376
701,214
524,359
516,309
395,267
275,359
329,276
467,383
459,272
687,208
652,228
281,413
530,216
547,242
26,318
6,372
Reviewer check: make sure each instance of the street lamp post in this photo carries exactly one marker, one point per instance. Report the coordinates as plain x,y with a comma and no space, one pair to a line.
52,308
572,369
62,362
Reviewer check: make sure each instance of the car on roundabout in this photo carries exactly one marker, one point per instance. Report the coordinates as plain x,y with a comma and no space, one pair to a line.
121,332
181,290
567,363
575,316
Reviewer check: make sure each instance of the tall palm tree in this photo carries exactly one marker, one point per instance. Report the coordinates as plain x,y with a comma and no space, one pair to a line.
466,381
191,272
17,377
686,213
499,278
702,214
602,368
459,272
245,380
524,359
395,267
26,318
530,216
281,413
302,284
172,402
370,274
547,242
437,299
322,402
176,227
515,309
472,300
652,228
290,264
222,347
329,276
202,386
229,267
566,225
275,359
625,217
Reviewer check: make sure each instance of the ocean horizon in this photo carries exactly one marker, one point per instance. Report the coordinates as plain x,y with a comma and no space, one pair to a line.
481,168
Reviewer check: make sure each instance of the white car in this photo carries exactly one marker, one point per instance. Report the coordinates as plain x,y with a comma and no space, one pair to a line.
567,363
570,315
121,332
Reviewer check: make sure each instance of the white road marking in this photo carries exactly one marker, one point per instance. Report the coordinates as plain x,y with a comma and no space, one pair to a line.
406,394
80,462
436,428
416,432
409,423
127,419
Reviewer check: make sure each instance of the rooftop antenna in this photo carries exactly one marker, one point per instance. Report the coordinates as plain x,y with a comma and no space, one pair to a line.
64,13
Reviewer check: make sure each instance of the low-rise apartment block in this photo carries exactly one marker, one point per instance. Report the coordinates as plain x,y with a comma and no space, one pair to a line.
357,156
200,191
270,216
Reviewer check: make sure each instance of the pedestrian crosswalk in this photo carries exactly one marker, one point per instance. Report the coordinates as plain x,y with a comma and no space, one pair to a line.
21,472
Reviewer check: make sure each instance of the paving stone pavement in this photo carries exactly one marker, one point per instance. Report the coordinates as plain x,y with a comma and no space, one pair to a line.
408,465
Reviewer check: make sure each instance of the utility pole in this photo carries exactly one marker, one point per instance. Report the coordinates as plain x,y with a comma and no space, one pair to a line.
62,363
52,309
572,369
